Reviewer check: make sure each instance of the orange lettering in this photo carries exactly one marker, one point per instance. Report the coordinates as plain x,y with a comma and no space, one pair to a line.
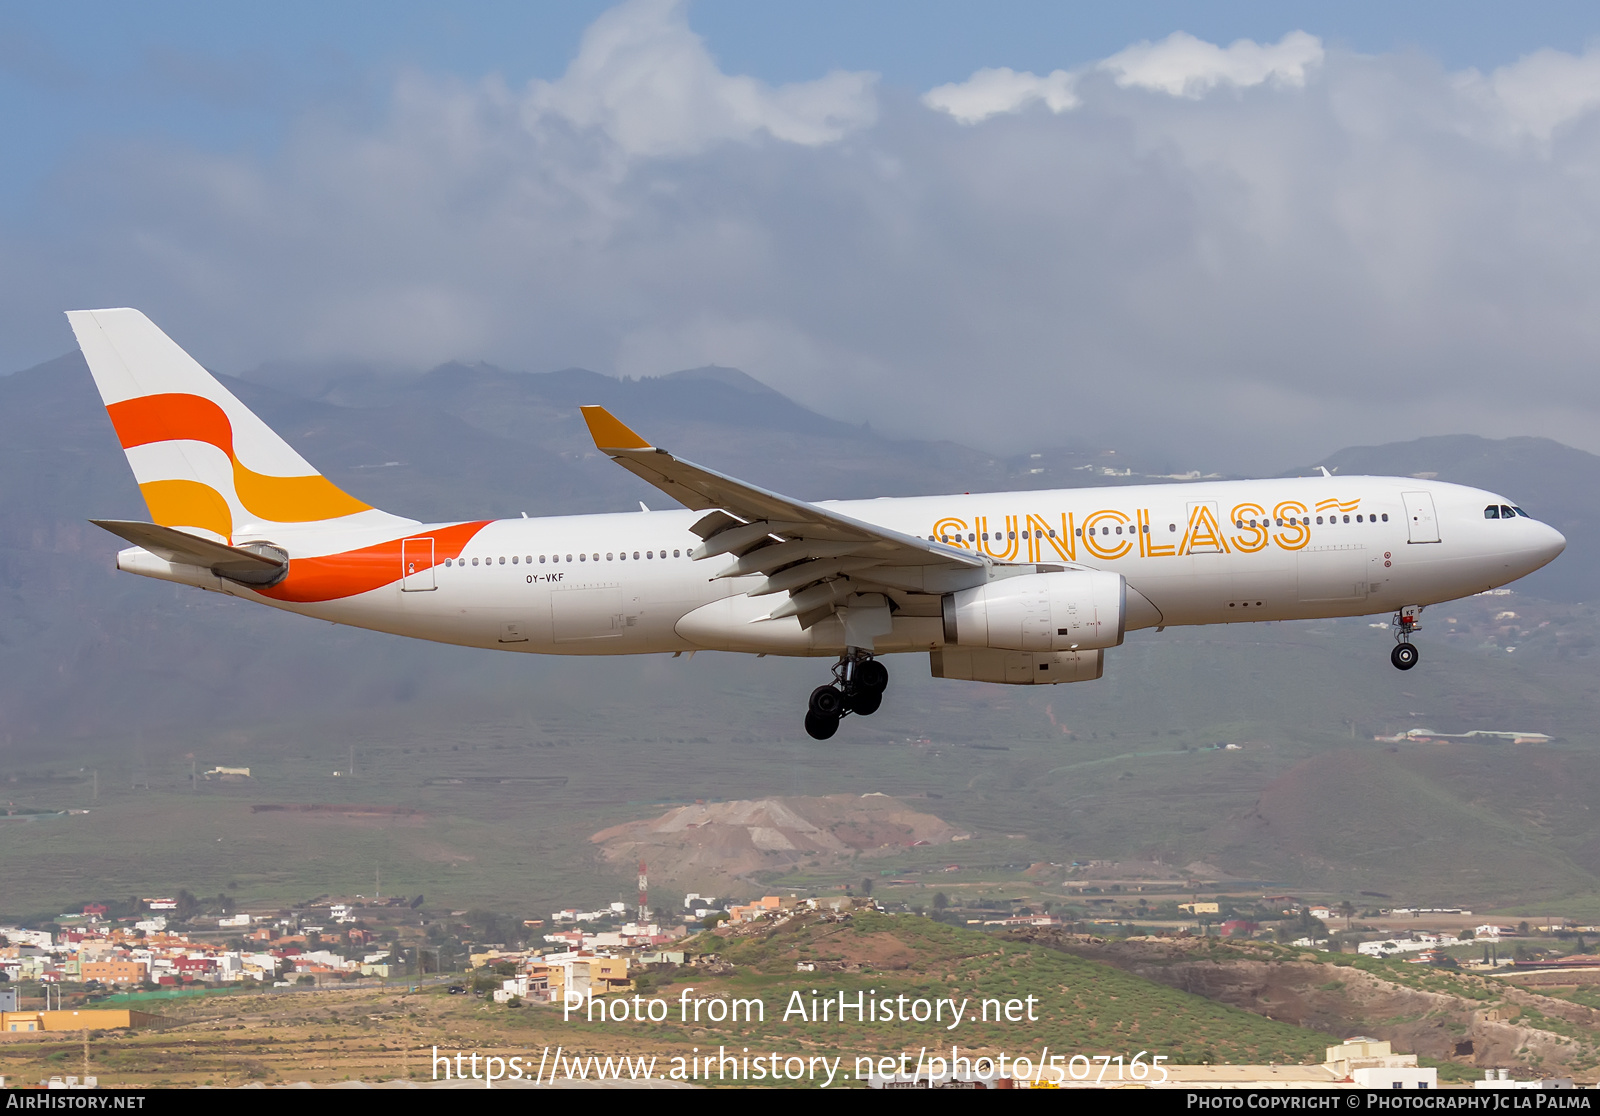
1100,520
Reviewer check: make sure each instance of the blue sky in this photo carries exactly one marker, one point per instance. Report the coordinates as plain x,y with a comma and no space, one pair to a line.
230,75
869,206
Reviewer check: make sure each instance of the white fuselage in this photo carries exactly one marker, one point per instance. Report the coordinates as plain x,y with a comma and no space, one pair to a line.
1202,553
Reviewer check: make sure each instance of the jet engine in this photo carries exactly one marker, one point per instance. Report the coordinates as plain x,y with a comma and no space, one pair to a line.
1066,610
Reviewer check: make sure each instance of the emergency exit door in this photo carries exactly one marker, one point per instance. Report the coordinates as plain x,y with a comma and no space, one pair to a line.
1421,524
416,566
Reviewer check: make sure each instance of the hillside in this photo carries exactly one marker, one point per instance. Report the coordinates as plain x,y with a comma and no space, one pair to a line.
1439,1014
383,1034
714,846
1084,1006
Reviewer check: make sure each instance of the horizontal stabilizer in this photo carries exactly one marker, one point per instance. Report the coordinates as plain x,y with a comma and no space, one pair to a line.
259,564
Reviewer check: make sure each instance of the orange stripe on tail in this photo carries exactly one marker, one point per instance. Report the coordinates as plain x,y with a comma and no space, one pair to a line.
187,503
175,416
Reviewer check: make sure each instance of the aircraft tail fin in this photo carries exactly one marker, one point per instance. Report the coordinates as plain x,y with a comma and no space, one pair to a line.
205,462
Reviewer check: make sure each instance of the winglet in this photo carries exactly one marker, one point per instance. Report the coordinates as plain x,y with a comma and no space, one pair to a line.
608,431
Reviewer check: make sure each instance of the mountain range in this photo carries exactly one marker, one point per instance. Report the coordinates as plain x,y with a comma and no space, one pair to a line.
141,680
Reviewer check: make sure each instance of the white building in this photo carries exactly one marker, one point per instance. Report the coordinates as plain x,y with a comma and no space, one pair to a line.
1388,947
1396,1077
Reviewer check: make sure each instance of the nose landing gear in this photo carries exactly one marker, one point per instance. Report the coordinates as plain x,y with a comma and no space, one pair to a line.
859,682
1406,623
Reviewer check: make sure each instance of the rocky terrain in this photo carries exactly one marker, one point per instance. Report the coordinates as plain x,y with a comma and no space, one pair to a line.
712,844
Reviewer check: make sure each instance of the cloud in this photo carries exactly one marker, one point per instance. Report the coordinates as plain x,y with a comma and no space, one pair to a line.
1357,249
645,80
989,92
1180,65
1538,94
1184,66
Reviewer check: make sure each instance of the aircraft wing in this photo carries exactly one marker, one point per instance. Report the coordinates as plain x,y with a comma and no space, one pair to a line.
799,547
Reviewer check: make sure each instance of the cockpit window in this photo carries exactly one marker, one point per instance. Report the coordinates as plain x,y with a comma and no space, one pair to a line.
1492,511
1522,513
1507,511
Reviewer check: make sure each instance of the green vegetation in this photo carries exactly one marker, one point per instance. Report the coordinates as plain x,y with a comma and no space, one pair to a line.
1084,1006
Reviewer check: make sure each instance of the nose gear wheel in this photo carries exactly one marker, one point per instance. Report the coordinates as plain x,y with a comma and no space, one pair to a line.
1407,622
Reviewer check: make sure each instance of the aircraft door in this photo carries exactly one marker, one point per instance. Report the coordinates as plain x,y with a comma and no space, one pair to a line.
1421,522
416,566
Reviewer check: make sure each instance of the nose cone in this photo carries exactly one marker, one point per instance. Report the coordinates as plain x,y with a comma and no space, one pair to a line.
1551,543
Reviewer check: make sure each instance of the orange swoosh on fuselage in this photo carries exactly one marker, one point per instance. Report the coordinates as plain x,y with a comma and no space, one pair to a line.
333,577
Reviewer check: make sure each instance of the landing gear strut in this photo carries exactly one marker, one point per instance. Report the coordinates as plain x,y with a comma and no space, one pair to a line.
1406,623
859,682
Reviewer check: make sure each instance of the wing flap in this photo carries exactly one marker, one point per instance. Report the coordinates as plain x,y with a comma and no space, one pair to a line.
822,558
702,489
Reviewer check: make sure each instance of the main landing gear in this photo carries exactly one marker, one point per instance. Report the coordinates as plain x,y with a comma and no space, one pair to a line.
1406,623
859,682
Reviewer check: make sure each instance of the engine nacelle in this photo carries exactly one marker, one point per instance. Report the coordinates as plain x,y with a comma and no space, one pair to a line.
1069,610
1016,668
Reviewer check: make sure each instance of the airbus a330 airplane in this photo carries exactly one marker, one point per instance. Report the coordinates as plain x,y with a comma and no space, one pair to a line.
1010,587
